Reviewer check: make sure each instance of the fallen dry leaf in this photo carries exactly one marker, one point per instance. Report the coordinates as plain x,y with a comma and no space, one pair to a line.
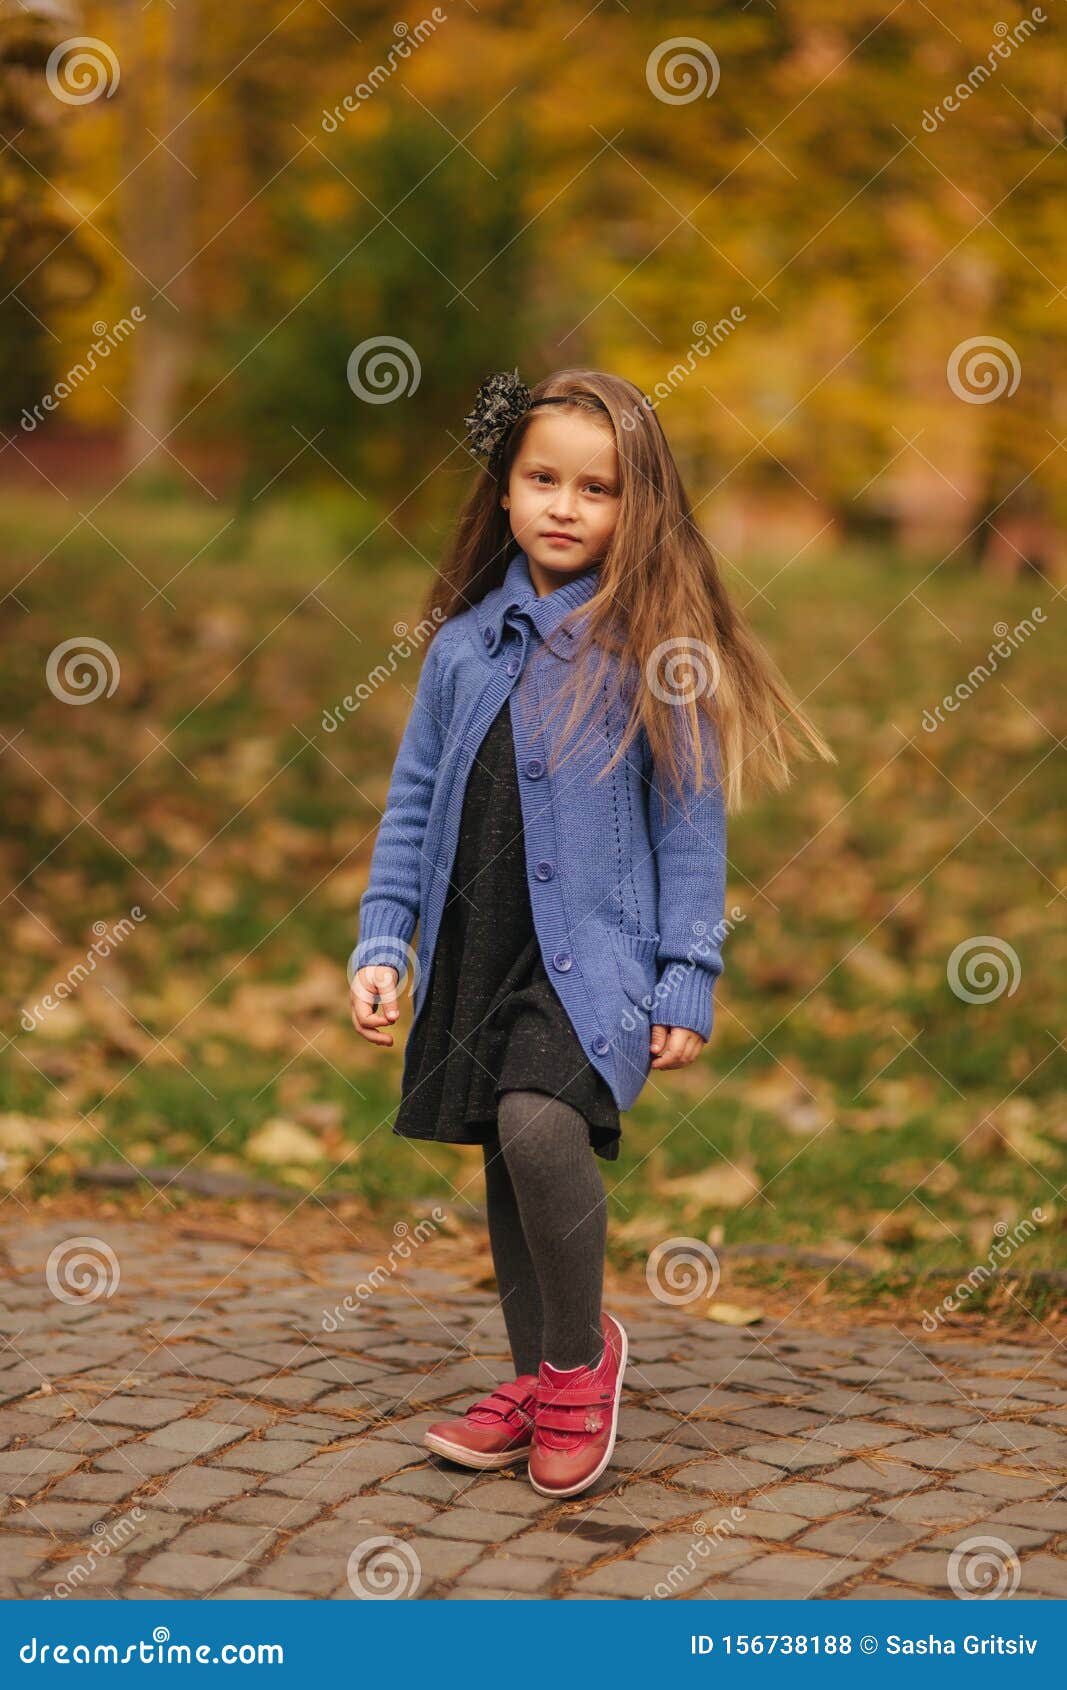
280,1141
732,1314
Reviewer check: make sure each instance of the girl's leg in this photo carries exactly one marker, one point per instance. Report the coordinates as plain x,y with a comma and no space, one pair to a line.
520,1296
560,1197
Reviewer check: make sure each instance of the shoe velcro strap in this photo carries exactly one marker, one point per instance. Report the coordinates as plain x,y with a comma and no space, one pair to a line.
568,1419
573,1396
512,1392
496,1403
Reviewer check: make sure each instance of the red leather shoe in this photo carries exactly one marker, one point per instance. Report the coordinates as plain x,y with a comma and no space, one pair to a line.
495,1432
576,1419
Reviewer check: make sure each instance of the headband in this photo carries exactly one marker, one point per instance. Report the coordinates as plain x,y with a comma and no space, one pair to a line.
501,400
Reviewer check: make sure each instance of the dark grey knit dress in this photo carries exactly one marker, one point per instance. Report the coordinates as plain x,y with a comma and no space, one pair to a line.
491,1020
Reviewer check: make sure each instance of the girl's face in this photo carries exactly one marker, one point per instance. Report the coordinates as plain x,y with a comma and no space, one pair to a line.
563,494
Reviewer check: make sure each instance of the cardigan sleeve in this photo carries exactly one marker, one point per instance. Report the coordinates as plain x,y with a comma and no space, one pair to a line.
690,853
389,908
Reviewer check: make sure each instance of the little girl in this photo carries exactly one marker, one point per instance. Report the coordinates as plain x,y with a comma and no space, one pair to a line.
566,879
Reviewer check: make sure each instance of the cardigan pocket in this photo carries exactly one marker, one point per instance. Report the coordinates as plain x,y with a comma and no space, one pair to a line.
635,954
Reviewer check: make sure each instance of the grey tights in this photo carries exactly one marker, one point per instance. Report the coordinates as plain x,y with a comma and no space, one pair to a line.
547,1231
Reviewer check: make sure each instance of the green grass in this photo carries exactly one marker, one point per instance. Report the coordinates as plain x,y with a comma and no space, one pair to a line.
873,1108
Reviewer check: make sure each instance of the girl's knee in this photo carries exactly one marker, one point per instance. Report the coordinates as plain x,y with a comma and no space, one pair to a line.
535,1130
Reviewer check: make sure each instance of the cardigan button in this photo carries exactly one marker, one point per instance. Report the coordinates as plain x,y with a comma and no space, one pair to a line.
513,666
600,1046
545,870
535,768
562,960
488,636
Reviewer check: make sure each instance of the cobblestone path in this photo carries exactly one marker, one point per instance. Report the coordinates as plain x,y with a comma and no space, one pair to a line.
198,1432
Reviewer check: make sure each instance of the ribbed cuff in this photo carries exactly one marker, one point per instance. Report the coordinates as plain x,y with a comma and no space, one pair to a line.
385,930
684,998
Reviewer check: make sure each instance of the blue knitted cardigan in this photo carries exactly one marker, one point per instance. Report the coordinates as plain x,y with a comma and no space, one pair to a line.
627,900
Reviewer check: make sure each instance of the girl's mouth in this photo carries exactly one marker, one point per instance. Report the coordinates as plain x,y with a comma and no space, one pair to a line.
565,539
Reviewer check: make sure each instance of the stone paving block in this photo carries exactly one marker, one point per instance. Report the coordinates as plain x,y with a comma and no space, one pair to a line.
713,1437
1015,1436
1044,1574
865,1537
287,1388
474,1525
32,1461
794,1455
730,1477
511,1572
304,1575
563,1544
196,1489
139,1413
929,1417
460,1595
81,1577
707,1402
693,1557
94,1487
446,1483
934,1507
888,1593
658,1376
140,1460
267,1455
1019,1538
841,1401
735,1588
951,1455
221,1537
810,1500
441,1559
1013,1487
64,1519
646,1456
177,1571
644,1422
766,1523
21,1553
805,1575
889,1476
194,1437
1049,1513
642,1504
343,1473
249,1593
857,1434
511,1496
778,1420
921,1566
285,1512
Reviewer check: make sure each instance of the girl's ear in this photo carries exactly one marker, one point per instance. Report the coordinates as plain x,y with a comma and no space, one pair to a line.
505,503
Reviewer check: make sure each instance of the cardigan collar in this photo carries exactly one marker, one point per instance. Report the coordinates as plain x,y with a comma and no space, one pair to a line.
517,593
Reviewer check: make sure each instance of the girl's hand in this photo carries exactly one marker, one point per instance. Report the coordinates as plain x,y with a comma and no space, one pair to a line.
368,986
675,1047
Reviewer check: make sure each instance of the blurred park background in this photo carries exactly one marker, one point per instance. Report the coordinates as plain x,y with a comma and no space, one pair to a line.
254,262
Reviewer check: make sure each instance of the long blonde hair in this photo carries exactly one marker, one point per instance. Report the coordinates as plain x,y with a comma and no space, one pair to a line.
660,610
